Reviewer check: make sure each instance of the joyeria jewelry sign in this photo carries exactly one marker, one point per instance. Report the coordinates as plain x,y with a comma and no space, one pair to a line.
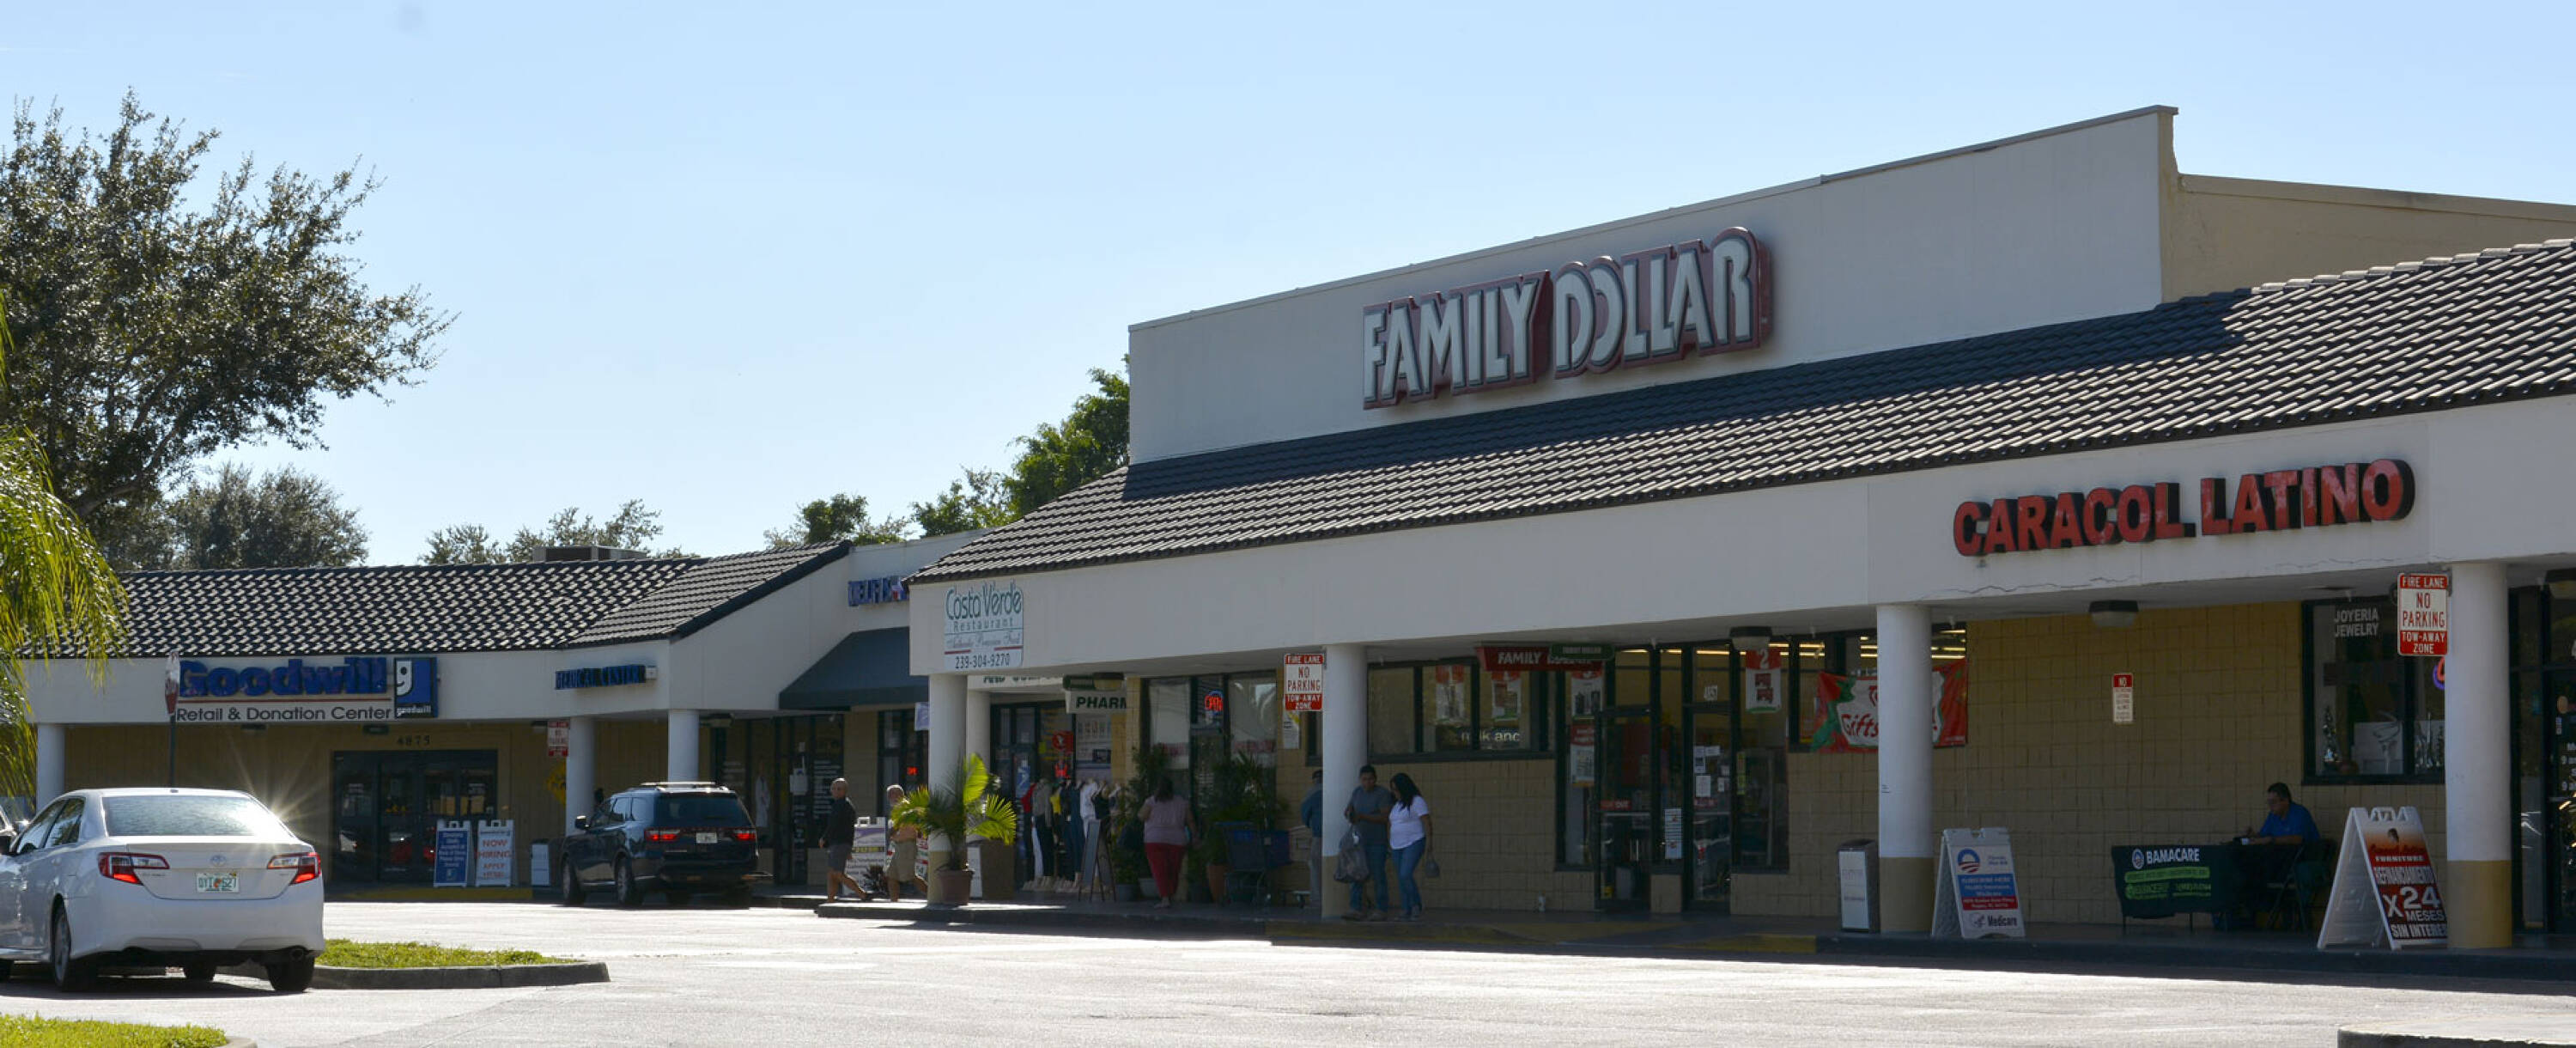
1647,307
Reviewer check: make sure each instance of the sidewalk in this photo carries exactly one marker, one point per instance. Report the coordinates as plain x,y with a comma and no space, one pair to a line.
2049,948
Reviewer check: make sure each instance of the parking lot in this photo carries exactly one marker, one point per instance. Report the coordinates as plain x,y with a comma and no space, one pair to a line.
709,975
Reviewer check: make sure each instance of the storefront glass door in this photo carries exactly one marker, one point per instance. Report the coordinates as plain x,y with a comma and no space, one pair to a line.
387,804
1705,776
1624,797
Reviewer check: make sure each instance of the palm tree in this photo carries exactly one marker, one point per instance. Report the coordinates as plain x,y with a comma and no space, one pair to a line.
56,589
972,808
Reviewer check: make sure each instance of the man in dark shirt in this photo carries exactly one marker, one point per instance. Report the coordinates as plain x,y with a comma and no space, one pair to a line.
838,830
1368,810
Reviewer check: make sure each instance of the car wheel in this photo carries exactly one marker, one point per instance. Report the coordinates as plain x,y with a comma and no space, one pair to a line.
573,894
628,892
294,976
200,973
70,974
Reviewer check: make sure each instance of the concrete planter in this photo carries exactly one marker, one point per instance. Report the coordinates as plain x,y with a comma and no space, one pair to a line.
951,887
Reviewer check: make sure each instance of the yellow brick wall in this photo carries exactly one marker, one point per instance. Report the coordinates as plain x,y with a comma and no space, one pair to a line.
1493,830
2218,718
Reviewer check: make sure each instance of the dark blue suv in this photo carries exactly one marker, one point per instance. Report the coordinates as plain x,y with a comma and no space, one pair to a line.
677,838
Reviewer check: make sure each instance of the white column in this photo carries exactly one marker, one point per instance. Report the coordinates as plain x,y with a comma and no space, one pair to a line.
1905,839
947,747
2477,762
680,759
581,767
979,743
49,763
1345,731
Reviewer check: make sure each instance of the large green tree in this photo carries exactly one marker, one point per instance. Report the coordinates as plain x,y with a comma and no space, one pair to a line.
840,518
162,316
981,500
1089,444
632,527
285,519
54,586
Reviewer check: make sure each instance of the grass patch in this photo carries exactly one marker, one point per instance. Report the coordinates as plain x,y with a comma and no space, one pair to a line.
342,953
34,1032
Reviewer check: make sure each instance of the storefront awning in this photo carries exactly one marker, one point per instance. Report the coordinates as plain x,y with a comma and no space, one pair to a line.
869,669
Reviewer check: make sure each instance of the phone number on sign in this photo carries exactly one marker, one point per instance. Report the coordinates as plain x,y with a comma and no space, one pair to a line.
983,660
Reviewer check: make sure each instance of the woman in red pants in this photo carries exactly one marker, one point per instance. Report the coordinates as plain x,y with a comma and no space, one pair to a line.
1167,832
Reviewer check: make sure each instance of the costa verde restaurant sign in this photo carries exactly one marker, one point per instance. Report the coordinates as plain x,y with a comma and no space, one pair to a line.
1647,307
298,692
2279,500
981,627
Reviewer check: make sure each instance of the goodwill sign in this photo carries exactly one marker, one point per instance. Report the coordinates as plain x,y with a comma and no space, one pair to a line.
981,627
296,691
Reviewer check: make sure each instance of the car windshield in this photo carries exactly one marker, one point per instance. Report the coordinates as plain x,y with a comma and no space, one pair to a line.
184,816
698,809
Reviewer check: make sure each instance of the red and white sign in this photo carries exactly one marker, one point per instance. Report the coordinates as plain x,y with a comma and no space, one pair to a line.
2424,615
2384,892
1301,682
2124,698
558,738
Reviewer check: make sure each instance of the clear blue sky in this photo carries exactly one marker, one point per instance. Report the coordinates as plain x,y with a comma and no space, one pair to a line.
730,258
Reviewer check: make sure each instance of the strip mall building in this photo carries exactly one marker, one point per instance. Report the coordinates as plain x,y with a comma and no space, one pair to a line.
1892,435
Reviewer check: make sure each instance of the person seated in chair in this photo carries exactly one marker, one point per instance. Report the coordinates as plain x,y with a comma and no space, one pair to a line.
2288,821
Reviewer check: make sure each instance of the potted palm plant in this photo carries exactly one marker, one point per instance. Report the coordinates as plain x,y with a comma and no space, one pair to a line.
972,808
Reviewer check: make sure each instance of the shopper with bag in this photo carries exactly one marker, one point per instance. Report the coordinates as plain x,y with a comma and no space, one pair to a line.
1367,812
1409,834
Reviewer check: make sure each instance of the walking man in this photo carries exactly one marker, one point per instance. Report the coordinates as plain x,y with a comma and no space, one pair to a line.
1368,810
839,829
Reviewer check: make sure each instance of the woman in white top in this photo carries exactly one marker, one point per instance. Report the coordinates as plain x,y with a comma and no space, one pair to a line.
1408,832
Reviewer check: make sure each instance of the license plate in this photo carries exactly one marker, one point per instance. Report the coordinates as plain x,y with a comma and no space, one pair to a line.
706,838
218,882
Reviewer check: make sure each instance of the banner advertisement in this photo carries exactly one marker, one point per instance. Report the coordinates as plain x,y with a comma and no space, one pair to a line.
494,841
1844,710
1978,897
1510,690
2165,880
453,866
2384,891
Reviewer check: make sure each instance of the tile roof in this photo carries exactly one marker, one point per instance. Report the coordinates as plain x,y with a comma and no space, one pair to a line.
432,609
2423,336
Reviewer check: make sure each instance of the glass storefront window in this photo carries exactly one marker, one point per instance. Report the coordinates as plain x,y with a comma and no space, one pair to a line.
1448,711
1167,708
1252,716
2369,710
1391,709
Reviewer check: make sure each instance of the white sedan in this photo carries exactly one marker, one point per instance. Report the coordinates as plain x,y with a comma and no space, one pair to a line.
161,877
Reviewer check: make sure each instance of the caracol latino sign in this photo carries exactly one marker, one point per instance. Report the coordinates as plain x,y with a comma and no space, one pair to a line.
2278,500
1647,307
300,692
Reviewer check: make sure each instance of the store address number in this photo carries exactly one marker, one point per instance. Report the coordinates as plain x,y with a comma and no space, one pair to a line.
411,740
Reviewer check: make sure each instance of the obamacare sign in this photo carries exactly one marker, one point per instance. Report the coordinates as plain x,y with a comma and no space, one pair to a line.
1646,307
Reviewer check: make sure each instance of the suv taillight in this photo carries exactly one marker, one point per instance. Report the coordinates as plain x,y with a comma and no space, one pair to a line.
745,835
120,866
661,836
307,865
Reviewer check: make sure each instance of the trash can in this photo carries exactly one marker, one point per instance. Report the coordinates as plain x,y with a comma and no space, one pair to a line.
1857,862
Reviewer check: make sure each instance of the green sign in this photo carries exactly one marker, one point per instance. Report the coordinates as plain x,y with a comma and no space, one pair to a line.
1578,653
2161,880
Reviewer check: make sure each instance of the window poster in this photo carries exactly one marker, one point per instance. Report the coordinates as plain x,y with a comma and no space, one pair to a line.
1583,692
1765,679
1449,693
1510,694
1581,764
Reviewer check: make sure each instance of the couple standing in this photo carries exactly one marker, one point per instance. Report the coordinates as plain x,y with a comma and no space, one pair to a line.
1397,821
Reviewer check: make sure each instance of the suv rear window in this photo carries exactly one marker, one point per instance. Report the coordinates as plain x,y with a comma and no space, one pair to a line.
190,817
698,809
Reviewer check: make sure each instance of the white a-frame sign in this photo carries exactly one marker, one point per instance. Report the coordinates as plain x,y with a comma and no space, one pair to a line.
2384,893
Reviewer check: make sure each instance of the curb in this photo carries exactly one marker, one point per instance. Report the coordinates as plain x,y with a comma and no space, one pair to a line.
1584,938
462,978
2461,1033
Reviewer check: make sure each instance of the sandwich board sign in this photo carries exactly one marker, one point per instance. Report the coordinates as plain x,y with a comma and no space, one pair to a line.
1977,896
2384,894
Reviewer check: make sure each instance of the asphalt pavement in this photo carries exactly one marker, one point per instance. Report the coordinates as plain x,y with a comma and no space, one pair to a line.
712,976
